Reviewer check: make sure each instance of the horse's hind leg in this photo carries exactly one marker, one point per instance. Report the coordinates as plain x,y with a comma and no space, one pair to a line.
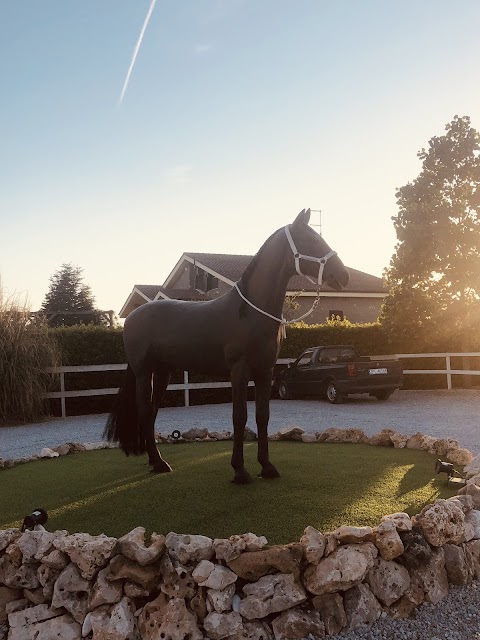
239,378
147,410
263,385
161,378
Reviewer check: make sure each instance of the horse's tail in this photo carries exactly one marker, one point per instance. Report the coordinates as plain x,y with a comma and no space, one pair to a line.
122,424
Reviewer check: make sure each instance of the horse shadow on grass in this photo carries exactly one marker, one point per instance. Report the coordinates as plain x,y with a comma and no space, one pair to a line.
432,486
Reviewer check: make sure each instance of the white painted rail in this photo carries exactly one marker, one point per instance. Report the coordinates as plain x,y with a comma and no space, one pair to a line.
187,386
448,371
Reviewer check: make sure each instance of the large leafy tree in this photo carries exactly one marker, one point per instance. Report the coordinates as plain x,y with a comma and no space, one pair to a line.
434,275
69,301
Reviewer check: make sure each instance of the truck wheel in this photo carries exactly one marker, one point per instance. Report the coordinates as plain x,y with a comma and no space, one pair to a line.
383,395
283,392
333,394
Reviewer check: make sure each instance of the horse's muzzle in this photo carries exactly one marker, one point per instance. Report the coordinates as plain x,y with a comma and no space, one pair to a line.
339,281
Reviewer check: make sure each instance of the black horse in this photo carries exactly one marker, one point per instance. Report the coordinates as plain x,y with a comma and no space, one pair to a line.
239,333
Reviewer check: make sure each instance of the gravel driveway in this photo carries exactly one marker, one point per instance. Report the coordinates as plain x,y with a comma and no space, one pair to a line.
439,413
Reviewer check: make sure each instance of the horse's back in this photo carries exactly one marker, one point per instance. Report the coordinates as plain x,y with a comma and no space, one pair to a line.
177,334
174,316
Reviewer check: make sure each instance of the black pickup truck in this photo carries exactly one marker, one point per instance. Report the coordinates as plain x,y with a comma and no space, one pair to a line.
336,371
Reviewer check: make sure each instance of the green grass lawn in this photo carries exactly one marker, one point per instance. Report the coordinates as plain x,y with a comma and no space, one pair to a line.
323,485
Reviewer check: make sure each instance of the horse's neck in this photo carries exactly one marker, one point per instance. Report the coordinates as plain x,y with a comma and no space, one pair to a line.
267,283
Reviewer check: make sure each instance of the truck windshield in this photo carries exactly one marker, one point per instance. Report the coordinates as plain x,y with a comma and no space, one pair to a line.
305,359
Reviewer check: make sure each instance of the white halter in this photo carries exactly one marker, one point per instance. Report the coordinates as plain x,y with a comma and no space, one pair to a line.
298,256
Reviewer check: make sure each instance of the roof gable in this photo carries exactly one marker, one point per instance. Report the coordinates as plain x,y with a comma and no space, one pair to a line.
230,267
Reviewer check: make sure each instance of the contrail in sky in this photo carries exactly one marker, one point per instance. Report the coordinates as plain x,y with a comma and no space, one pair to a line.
137,47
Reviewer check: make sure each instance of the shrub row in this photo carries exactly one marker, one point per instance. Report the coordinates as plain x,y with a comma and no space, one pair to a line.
368,339
89,344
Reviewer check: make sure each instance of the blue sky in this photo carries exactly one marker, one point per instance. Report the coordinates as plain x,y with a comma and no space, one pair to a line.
238,114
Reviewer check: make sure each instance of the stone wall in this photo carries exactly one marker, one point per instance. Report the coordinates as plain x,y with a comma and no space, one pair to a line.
446,448
190,587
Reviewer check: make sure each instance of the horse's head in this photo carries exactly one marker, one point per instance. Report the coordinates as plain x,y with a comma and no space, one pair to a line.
309,248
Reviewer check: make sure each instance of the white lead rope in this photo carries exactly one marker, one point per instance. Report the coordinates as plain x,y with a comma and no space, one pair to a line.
283,321
265,313
321,261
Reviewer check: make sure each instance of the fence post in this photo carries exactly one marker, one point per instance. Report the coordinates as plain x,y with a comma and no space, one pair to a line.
449,375
62,389
187,390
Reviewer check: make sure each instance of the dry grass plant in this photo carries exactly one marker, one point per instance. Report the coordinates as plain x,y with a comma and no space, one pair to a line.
27,350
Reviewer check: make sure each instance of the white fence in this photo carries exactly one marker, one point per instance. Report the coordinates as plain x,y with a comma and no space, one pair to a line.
448,371
187,386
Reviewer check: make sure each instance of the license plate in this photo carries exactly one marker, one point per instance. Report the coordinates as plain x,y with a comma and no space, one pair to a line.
377,371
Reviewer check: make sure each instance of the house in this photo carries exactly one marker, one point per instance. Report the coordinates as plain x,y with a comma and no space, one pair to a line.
204,276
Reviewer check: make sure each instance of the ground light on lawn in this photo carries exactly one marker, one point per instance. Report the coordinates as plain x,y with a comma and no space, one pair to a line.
323,485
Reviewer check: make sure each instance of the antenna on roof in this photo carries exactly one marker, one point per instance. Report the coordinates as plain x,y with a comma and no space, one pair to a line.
319,225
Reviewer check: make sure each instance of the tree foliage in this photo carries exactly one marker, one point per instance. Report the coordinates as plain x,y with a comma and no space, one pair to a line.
434,275
69,301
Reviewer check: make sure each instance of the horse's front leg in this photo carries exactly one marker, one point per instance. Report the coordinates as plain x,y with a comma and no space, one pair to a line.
263,385
146,417
239,378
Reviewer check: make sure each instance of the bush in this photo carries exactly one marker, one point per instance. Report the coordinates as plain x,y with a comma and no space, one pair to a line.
89,344
368,339
27,350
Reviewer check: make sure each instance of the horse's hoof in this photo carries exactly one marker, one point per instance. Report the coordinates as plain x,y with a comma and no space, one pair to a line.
163,467
269,473
242,478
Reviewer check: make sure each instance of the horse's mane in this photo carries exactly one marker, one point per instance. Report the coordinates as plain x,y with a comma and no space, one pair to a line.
247,274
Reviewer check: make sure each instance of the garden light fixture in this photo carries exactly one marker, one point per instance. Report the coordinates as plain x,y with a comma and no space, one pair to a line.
448,468
37,517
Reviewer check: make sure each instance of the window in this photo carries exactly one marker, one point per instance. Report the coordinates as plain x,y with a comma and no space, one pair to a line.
304,359
204,281
212,282
200,280
336,354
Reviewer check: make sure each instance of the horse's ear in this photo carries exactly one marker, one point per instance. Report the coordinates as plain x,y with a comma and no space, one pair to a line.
303,217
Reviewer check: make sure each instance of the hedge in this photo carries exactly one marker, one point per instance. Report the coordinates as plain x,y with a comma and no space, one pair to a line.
368,339
90,344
